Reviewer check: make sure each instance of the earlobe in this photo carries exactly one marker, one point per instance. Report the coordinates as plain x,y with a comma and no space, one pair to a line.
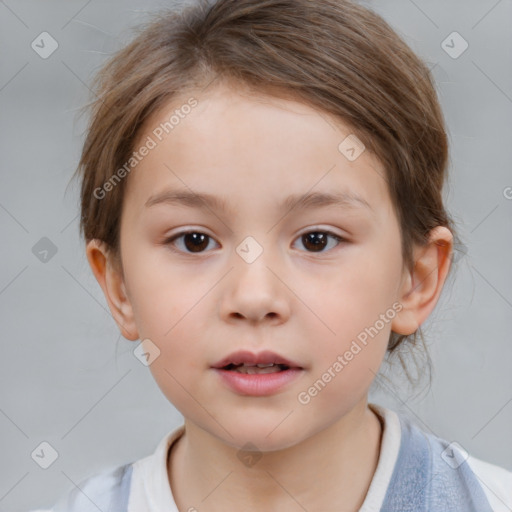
110,279
422,287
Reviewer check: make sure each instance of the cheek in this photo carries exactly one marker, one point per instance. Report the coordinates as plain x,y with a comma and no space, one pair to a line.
345,366
160,296
351,300
169,310
170,324
356,312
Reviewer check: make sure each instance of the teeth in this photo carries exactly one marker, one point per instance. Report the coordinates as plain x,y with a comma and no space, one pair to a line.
259,365
258,369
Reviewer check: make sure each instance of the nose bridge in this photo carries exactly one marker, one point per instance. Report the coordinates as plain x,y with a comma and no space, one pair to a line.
252,259
254,291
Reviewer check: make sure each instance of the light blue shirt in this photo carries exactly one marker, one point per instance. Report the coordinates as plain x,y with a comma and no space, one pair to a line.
428,476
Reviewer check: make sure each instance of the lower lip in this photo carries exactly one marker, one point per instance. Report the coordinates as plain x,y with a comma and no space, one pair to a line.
258,384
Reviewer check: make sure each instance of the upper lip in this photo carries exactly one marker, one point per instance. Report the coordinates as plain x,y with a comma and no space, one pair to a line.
245,356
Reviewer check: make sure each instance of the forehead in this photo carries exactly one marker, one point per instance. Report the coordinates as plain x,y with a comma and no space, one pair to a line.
243,146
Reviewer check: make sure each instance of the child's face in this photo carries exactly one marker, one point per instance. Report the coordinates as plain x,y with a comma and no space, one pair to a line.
305,304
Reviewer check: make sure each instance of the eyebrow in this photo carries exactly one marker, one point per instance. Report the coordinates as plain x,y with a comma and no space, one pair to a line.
307,201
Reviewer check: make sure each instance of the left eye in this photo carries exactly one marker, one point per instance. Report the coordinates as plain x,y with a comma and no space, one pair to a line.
197,242
318,240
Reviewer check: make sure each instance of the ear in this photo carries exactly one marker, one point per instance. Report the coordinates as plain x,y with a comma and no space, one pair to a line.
109,275
421,288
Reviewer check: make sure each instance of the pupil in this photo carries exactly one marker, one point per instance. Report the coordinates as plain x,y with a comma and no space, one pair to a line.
317,239
198,241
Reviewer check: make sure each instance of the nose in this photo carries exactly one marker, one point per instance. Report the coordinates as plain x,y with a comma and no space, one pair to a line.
255,292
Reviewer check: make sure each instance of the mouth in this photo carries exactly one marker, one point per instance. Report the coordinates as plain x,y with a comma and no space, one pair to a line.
245,361
252,369
262,374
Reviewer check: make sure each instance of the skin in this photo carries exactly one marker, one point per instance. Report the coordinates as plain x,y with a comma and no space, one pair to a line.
254,150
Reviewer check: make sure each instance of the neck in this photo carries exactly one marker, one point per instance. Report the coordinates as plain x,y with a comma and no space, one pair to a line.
340,460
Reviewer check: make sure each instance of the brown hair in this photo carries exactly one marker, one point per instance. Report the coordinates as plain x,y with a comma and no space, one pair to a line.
334,55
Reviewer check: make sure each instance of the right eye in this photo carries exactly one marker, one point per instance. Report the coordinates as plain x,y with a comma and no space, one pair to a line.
193,241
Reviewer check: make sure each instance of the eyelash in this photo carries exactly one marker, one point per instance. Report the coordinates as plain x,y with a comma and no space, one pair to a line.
170,241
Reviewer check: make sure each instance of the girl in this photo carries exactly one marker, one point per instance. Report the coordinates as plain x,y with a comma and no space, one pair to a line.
262,205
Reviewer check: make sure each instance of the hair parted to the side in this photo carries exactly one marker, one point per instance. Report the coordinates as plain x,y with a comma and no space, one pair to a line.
335,55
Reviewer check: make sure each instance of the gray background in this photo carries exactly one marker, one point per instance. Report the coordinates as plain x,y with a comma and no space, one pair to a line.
68,378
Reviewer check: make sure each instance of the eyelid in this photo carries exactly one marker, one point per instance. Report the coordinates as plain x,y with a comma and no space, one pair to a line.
323,229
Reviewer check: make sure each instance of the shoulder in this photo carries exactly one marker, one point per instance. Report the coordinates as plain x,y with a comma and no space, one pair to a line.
496,482
116,488
107,491
451,463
